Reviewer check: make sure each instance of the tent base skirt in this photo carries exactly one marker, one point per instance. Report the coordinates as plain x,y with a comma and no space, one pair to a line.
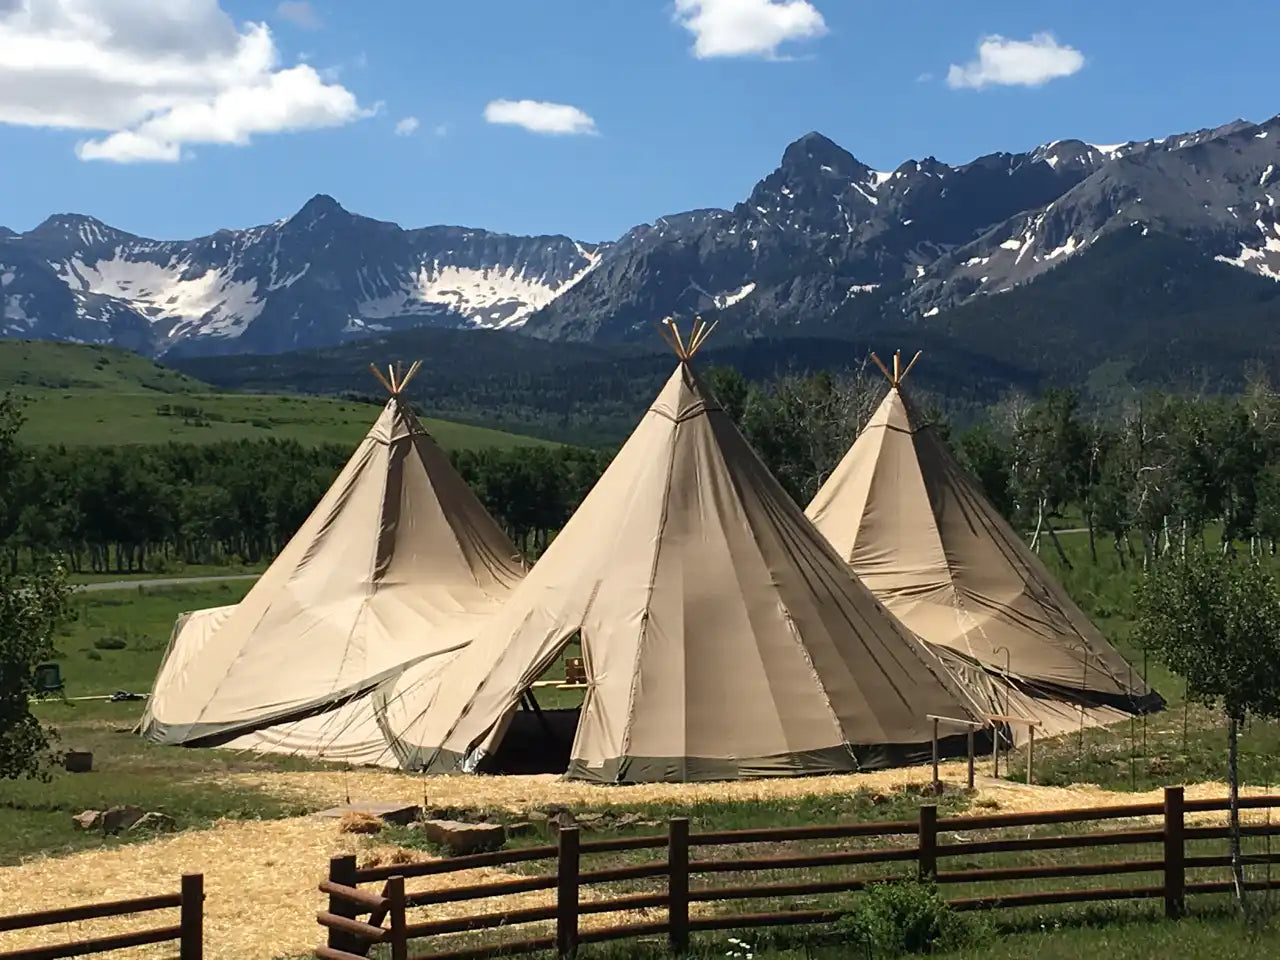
845,758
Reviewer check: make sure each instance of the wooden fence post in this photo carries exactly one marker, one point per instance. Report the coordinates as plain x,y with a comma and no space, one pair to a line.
394,893
567,894
191,945
1175,867
928,859
678,885
343,870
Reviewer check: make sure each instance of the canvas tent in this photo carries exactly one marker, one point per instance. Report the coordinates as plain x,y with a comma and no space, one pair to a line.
919,533
396,564
722,637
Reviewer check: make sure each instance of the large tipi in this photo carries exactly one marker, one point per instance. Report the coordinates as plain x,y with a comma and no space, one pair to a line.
396,563
722,637
918,532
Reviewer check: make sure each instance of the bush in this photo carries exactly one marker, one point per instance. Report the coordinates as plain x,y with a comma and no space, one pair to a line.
906,916
109,643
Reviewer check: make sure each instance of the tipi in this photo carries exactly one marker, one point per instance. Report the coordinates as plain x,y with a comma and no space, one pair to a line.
395,564
722,637
919,533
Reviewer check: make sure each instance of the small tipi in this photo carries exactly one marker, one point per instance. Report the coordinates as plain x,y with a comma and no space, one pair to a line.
395,564
722,637
918,532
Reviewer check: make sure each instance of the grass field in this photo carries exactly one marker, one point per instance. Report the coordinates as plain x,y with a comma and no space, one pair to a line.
200,787
35,818
84,395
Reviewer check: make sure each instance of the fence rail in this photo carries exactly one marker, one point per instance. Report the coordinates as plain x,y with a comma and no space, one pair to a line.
188,932
350,937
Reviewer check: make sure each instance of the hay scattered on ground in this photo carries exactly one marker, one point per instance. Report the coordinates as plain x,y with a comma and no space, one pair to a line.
261,877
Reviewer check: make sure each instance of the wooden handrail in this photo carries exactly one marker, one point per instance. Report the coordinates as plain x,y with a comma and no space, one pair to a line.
926,846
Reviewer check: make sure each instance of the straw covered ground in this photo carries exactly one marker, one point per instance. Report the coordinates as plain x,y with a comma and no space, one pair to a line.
261,876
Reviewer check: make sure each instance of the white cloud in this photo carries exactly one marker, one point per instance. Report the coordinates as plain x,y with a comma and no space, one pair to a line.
924,77
442,130
1027,63
300,13
155,76
744,28
538,116
406,126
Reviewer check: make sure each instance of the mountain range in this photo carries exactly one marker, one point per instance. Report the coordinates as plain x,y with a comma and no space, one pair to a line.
823,246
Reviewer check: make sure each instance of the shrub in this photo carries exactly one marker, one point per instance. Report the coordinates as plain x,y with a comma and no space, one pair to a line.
109,643
906,916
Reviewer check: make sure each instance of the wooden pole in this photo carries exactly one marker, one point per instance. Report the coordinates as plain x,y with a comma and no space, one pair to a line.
1175,870
910,365
394,892
883,369
928,837
567,894
382,380
1031,751
191,945
342,870
678,885
675,332
937,784
970,738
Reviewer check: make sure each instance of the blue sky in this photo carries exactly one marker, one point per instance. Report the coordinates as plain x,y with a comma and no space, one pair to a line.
172,118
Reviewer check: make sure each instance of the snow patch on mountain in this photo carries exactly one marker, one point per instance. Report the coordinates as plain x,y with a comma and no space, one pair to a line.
725,300
211,300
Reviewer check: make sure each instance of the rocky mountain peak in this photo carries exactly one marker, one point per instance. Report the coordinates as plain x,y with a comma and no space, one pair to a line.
813,154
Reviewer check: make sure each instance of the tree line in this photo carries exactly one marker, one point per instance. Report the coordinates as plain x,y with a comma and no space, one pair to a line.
146,508
1146,481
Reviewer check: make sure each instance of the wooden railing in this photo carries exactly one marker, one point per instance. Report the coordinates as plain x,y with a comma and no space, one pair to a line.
188,931
355,917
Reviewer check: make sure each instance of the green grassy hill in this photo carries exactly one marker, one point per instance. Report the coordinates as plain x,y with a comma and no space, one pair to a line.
82,395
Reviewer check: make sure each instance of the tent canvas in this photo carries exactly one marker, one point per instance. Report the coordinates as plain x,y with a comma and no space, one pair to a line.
917,530
722,637
397,563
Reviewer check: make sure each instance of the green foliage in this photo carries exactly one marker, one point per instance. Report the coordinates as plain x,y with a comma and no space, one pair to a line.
32,608
110,643
1216,622
905,916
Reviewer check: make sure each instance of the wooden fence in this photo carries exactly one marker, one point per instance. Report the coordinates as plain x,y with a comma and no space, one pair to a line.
188,932
357,918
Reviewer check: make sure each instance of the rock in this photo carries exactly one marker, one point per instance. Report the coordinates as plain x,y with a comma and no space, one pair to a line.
120,818
155,821
88,820
539,816
462,838
521,828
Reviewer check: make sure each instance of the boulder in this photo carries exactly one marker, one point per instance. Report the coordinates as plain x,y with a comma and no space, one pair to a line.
88,820
120,818
522,828
460,838
155,821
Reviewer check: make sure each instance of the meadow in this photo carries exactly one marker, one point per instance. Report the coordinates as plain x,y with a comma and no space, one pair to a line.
97,396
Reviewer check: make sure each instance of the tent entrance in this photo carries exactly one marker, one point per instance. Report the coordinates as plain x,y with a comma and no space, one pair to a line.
537,740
